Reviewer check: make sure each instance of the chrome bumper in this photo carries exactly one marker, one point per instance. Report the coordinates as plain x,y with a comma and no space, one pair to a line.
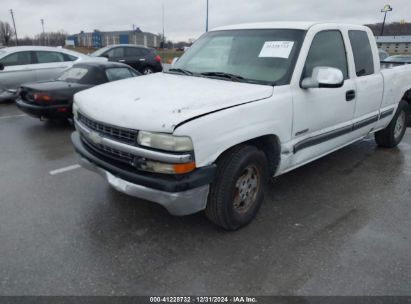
177,203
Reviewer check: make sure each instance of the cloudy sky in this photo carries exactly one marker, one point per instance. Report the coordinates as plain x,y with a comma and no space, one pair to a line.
186,18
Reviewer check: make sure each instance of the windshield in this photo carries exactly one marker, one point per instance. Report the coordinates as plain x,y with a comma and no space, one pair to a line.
84,74
99,52
258,56
73,75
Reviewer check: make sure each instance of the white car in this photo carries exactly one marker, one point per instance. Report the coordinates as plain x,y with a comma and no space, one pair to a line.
24,64
244,103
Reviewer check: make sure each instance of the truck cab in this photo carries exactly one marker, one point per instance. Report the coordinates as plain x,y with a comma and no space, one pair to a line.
244,103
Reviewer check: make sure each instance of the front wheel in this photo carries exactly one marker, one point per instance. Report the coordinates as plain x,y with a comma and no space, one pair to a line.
238,190
392,135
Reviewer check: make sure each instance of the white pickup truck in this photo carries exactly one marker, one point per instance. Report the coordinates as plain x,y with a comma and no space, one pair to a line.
244,103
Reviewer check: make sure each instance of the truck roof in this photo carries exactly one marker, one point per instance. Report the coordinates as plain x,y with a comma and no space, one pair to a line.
298,25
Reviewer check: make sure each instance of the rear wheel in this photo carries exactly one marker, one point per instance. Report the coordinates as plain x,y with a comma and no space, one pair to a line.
238,190
148,70
392,135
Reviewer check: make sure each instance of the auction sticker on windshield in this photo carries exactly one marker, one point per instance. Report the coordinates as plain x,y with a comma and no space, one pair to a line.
276,49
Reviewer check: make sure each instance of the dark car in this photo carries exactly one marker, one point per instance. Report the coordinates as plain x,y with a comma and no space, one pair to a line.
141,58
54,99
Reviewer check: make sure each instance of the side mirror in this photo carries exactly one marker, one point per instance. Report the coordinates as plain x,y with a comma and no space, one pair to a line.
324,77
1,67
175,59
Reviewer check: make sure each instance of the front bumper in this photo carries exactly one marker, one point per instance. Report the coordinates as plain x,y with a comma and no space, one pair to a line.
6,95
38,111
182,196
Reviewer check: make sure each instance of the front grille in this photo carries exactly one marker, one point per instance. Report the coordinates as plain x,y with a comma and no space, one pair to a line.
124,135
115,154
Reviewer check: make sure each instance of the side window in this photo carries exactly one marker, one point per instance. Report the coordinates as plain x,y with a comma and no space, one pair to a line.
363,58
68,57
114,74
116,52
19,58
49,57
132,52
327,50
134,73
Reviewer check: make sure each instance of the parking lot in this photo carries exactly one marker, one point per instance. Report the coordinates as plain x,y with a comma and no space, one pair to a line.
338,226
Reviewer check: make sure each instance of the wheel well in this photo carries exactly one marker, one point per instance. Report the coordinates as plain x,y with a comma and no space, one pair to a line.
270,145
407,97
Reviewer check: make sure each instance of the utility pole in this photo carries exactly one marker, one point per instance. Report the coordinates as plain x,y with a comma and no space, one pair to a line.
44,35
14,24
164,42
207,18
387,8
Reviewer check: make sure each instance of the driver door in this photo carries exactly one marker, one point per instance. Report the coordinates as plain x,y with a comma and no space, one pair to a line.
322,117
18,69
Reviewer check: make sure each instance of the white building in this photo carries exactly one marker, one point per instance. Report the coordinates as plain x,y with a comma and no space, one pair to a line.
395,44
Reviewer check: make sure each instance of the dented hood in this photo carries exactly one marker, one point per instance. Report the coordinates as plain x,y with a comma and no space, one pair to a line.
159,102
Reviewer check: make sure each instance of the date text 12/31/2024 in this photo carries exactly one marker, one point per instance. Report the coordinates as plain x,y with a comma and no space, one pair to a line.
203,299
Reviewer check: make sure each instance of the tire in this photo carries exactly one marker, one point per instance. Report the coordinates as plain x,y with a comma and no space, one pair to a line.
238,189
392,135
148,70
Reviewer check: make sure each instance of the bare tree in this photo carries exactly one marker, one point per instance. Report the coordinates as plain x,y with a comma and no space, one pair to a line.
6,32
51,38
391,29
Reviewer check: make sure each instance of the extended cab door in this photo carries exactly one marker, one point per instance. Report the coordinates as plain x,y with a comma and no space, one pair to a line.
322,117
368,81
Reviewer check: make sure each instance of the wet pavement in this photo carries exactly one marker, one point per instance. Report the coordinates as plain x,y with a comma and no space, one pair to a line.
338,226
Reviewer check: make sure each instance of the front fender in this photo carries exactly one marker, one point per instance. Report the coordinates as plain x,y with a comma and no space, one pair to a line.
217,132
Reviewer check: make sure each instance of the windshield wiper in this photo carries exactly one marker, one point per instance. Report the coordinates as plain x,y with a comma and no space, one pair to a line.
182,71
224,75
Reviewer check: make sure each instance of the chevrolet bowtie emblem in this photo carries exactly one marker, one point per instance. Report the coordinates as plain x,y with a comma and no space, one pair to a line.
95,138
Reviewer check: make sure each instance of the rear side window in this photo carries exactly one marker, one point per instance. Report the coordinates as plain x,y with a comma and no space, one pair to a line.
68,57
19,58
360,44
133,52
327,50
114,74
49,57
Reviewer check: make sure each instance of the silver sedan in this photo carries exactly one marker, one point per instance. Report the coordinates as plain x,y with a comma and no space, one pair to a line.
23,64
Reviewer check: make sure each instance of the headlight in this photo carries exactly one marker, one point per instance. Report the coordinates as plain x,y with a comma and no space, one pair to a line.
165,142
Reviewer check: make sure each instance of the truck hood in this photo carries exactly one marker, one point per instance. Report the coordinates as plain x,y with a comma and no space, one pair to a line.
159,102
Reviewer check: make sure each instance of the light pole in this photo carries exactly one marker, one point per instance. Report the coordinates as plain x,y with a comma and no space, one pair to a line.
207,18
163,28
44,35
14,24
387,8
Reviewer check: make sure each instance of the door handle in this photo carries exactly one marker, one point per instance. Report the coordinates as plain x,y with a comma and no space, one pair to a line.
121,60
142,59
349,95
